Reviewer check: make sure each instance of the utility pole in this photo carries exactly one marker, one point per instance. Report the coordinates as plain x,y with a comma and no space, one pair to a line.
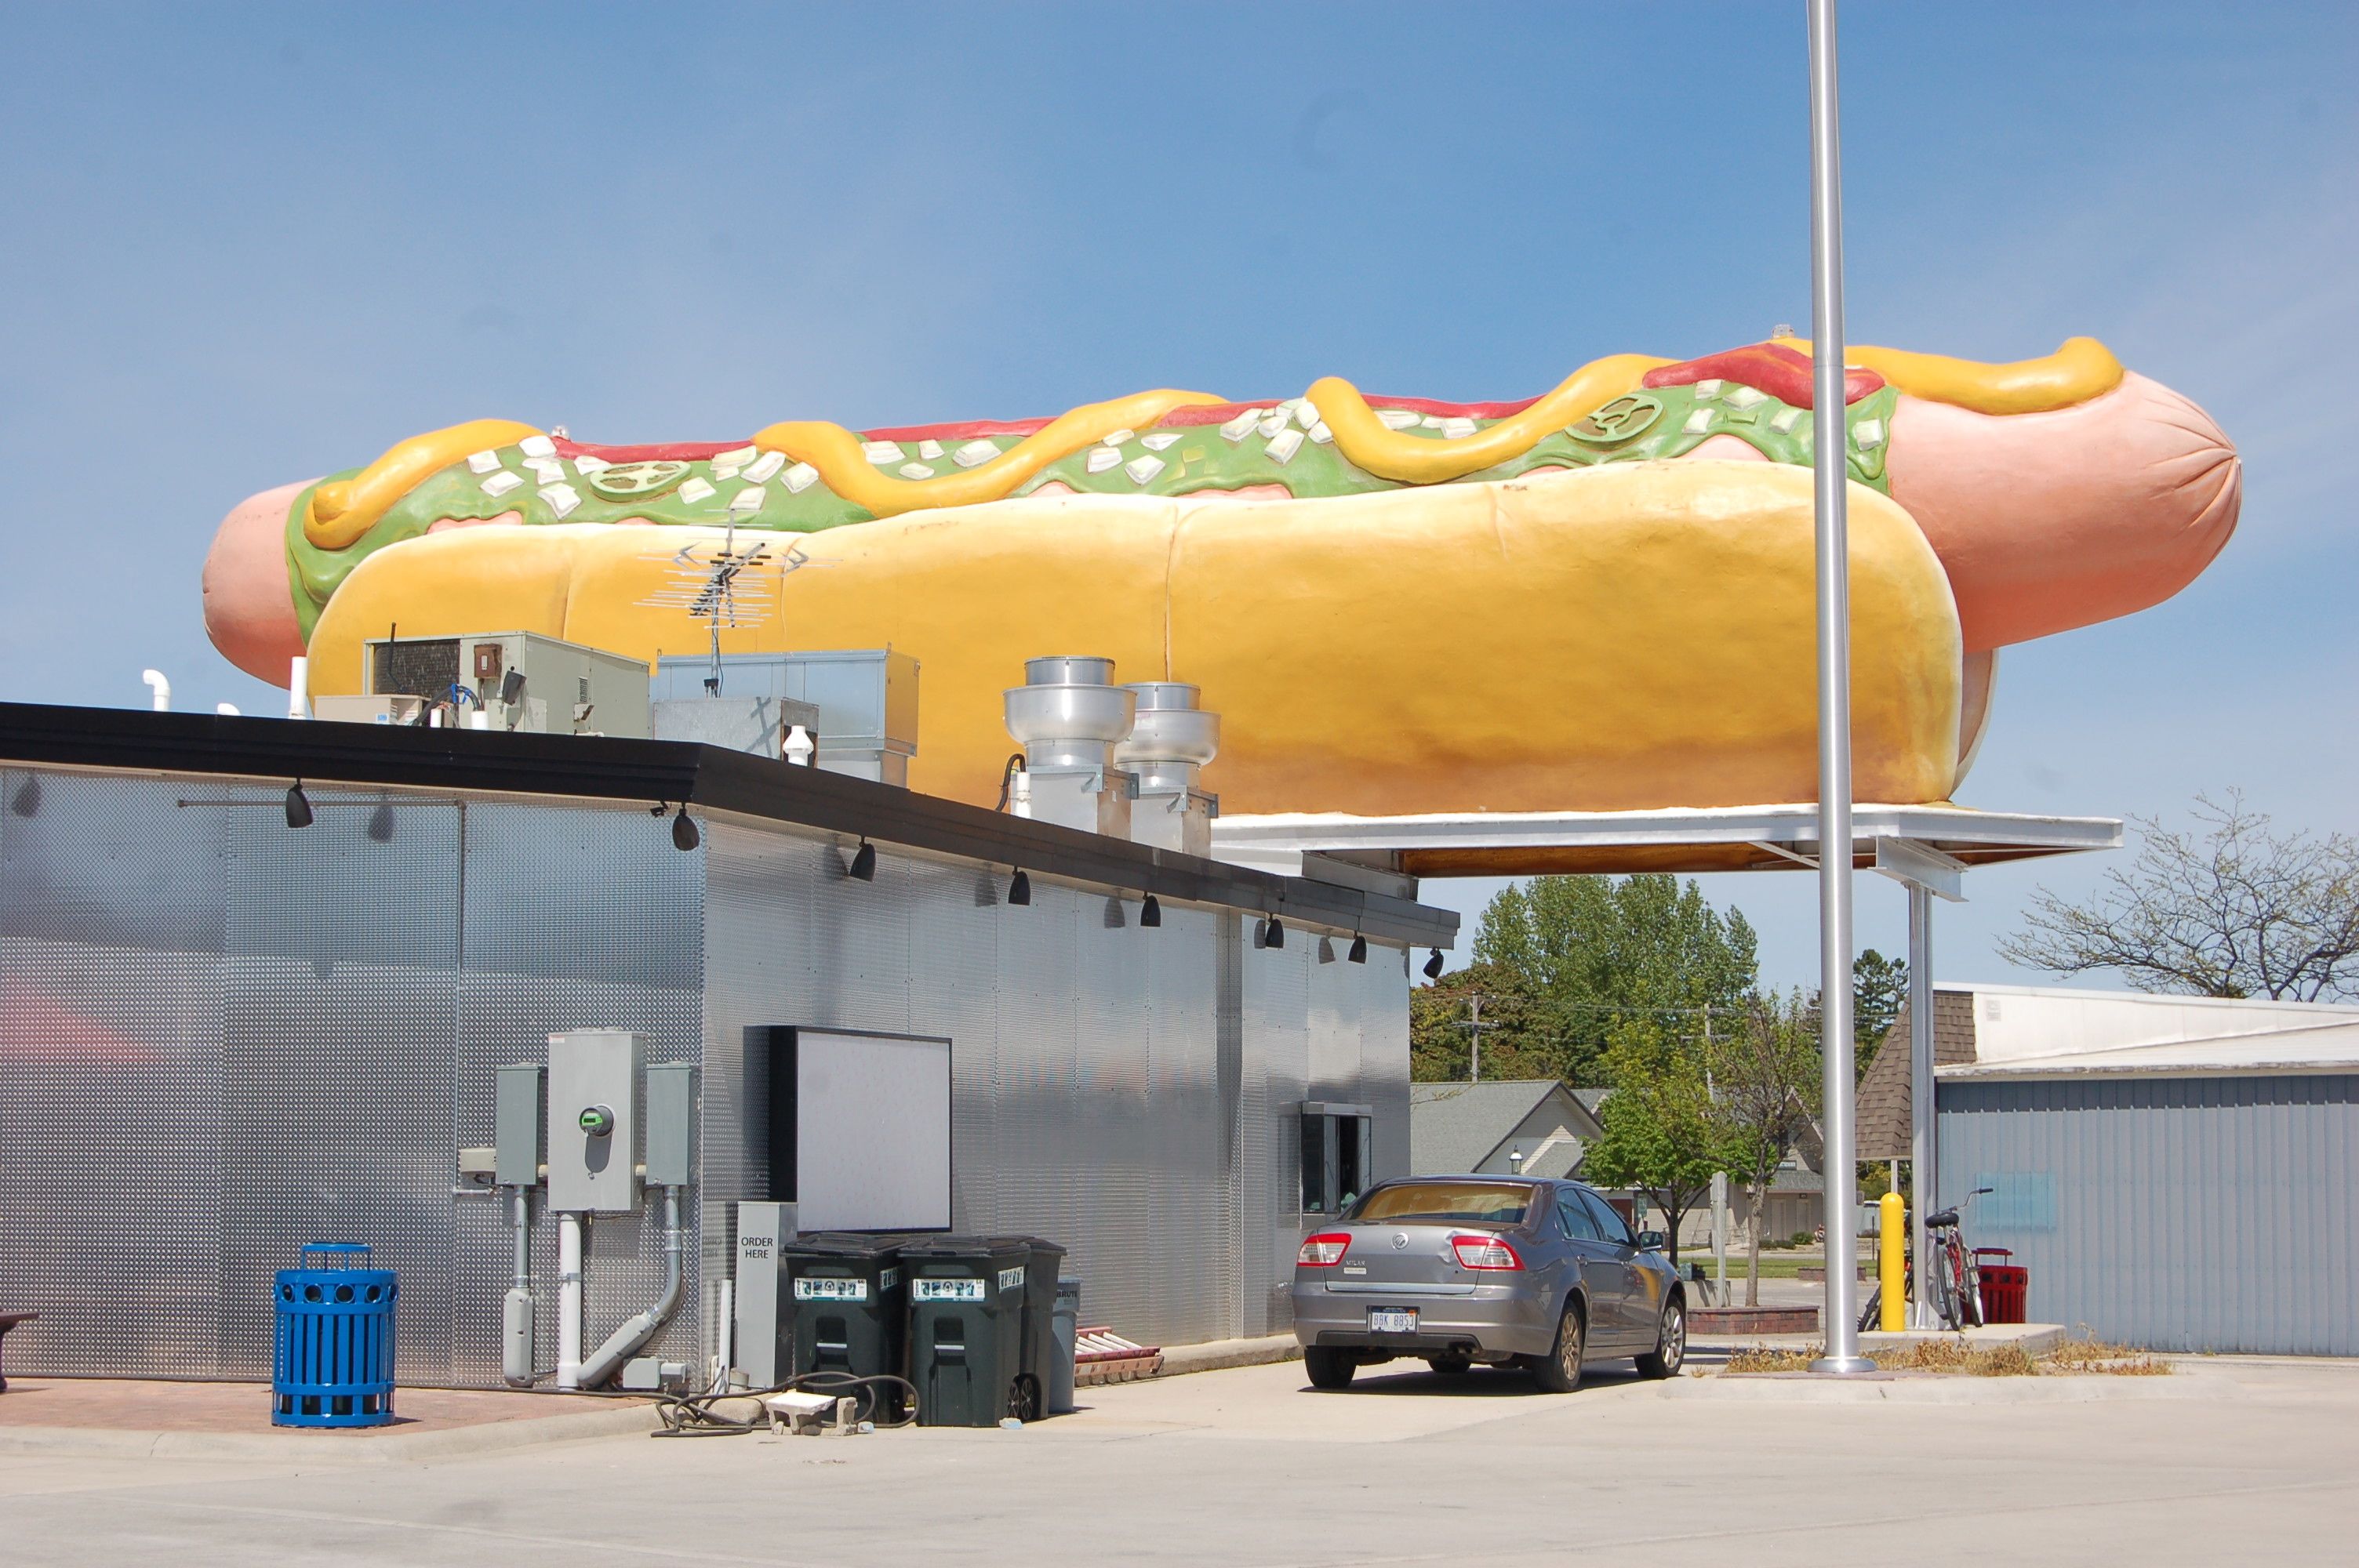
1473,1026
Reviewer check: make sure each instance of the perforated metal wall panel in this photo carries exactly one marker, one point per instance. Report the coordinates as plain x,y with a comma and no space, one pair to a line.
575,917
225,1037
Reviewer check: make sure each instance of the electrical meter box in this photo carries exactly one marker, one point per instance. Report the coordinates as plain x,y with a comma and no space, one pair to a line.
519,680
593,1120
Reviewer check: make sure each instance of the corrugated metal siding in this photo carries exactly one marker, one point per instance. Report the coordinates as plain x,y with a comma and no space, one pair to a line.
2180,1213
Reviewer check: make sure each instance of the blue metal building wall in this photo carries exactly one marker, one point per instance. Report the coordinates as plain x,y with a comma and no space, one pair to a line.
2178,1213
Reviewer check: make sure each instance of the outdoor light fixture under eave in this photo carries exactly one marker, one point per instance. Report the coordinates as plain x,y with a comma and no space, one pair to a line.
299,806
380,823
1433,966
1359,950
1273,932
684,835
863,863
1019,889
1150,914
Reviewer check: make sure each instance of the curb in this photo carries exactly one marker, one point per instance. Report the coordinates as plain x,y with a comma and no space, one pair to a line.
354,1447
1222,1354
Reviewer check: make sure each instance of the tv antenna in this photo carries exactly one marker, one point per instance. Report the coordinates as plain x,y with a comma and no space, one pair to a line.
716,582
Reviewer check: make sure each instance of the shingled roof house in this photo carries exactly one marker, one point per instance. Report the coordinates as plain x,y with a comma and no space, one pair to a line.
1535,1125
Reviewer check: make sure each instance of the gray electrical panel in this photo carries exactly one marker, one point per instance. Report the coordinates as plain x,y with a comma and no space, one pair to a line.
593,1121
515,1124
672,1124
763,1229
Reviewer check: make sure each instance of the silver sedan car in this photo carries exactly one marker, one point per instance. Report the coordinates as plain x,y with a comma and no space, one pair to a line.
1541,1275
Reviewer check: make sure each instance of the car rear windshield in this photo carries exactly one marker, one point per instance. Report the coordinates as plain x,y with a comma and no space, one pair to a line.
1462,1203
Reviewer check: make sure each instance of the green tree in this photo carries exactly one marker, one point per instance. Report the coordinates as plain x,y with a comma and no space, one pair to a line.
1590,953
1764,1080
1661,1134
1441,1032
1878,986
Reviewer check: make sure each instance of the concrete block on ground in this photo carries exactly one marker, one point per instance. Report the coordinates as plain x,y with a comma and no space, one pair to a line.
2037,1338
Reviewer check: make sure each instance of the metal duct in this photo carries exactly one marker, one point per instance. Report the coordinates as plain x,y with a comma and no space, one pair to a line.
1069,716
1170,738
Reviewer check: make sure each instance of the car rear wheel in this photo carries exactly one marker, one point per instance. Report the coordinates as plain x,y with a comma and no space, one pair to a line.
1328,1367
1559,1372
1449,1366
1670,1343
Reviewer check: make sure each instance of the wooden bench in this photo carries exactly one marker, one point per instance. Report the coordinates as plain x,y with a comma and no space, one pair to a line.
9,1320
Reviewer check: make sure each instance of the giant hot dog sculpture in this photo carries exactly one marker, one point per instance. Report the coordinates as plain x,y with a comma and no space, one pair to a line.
1599,598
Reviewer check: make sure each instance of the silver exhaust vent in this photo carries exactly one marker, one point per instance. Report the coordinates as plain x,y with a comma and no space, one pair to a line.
1170,738
1070,716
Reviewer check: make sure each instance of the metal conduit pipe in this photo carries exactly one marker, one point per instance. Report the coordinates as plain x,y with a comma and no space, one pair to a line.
517,1309
568,1301
627,1339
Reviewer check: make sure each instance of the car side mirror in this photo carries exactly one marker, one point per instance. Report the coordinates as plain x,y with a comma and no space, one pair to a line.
1650,1241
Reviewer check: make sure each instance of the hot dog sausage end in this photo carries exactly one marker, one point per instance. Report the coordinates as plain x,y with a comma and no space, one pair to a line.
249,607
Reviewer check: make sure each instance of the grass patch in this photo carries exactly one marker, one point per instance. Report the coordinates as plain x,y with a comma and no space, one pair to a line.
1763,1358
2089,1354
1955,1357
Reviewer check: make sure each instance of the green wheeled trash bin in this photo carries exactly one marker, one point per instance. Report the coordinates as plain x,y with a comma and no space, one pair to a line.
849,1310
967,1329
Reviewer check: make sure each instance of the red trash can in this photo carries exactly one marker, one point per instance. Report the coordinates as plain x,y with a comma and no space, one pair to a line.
2004,1285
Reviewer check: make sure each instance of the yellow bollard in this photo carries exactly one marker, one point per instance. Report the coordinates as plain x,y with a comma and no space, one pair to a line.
1892,1263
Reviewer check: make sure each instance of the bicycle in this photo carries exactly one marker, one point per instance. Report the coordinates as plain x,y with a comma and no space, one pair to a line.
1957,1283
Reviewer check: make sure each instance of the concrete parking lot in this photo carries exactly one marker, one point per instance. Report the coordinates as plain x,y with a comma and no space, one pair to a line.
2224,1461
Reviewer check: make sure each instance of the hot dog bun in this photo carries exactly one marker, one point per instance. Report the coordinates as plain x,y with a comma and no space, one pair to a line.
1621,637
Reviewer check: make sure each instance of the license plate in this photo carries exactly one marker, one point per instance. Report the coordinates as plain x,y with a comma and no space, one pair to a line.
1392,1320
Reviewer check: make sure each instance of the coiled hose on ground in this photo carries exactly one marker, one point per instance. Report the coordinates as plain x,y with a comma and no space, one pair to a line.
696,1415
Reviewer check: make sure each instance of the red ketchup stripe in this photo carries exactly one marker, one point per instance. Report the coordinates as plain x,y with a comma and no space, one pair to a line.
966,432
1773,368
1783,373
662,451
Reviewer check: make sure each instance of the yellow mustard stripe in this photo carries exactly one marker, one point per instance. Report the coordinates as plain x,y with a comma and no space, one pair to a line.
1419,460
2082,369
344,511
836,453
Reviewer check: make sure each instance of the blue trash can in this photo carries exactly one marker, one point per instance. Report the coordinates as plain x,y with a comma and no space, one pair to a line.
331,1363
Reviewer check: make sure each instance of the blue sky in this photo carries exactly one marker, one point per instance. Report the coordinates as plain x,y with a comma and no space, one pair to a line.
247,244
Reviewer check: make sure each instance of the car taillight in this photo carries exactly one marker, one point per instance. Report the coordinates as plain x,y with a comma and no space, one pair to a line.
1481,1251
1324,1250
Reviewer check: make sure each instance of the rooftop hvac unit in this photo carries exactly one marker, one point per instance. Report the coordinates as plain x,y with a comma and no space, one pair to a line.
866,698
517,680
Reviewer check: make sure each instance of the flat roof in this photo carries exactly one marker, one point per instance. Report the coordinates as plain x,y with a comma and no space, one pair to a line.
728,784
1783,837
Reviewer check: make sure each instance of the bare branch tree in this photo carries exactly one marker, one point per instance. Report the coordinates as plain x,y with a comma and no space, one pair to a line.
2229,909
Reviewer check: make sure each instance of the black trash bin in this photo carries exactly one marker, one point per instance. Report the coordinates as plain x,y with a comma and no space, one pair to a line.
849,1310
969,1351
